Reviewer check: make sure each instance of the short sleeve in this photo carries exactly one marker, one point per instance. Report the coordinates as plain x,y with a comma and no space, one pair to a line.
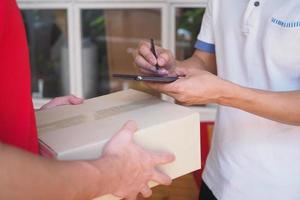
205,39
2,18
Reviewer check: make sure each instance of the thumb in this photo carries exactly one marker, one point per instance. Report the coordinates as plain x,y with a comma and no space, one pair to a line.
122,138
129,127
165,58
181,71
127,131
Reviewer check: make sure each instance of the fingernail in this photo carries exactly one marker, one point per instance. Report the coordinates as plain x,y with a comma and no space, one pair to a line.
163,71
153,69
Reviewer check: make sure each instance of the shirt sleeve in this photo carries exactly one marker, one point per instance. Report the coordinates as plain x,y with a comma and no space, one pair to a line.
2,15
205,39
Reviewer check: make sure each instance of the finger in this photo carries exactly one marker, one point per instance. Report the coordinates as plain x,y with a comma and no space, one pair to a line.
163,72
75,100
144,43
161,178
59,101
146,71
66,100
122,138
155,86
153,71
163,88
146,192
181,71
127,131
162,158
160,71
163,58
145,51
141,62
130,126
158,87
174,73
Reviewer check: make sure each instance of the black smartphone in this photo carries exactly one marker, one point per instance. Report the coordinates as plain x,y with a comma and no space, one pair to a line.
159,79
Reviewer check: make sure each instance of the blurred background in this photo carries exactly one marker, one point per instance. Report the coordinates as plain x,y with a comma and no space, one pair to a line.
76,45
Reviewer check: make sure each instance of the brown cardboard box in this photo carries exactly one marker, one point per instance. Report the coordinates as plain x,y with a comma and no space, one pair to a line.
80,132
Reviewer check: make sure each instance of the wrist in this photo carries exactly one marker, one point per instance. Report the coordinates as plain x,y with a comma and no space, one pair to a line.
228,93
106,171
92,178
88,180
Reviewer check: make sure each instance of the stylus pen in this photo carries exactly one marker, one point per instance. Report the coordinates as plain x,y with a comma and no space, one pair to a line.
154,52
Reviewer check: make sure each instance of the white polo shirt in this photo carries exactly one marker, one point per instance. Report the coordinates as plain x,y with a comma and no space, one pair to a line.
257,44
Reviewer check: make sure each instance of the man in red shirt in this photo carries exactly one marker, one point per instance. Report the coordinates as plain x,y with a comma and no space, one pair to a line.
124,169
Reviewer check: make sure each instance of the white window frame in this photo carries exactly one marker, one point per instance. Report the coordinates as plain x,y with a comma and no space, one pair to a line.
74,7
179,4
29,5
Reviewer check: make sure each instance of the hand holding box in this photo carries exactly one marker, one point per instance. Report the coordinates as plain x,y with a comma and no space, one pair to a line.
80,132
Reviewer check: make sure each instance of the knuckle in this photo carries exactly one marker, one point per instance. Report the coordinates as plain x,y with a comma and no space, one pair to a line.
149,56
138,60
181,98
143,48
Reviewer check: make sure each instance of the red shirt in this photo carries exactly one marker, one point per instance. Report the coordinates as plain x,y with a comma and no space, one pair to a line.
17,120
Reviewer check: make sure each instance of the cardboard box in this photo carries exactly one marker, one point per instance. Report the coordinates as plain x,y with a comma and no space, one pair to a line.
80,132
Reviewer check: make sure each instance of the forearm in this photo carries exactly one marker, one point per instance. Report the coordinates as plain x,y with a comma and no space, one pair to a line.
25,176
200,60
278,106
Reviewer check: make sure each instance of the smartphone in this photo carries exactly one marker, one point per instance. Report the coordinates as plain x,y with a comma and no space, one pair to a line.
159,79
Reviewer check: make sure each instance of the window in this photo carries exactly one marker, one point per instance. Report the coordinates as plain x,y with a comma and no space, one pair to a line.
47,35
75,46
188,23
108,38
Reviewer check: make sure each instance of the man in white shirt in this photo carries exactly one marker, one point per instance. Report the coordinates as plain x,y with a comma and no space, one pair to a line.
254,48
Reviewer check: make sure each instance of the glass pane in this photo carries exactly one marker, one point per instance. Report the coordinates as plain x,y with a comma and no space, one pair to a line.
188,22
48,46
108,39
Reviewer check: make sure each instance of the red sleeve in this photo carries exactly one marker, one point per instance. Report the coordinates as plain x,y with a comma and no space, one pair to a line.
17,121
2,18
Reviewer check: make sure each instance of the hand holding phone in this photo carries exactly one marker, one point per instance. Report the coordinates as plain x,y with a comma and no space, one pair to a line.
154,60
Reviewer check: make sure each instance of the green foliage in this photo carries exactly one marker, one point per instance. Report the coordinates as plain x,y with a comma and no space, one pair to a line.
191,20
93,22
98,25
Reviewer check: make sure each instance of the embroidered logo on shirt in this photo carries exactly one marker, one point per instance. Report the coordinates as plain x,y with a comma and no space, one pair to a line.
285,24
